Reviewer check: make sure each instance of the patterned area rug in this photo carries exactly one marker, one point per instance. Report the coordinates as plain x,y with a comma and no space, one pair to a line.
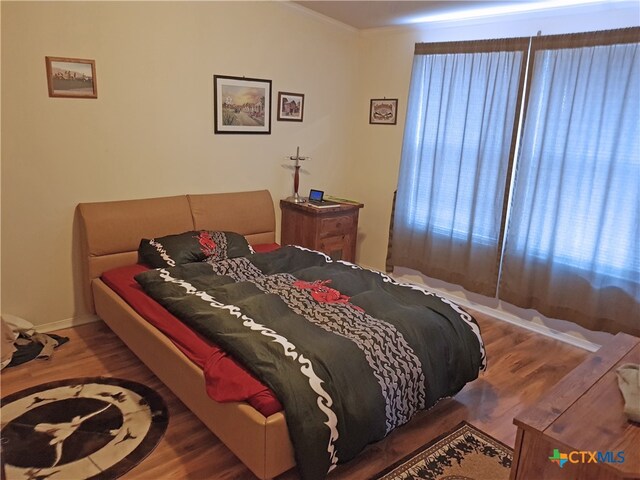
465,453
80,428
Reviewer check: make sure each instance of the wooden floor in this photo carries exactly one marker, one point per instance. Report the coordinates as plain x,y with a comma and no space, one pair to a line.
521,366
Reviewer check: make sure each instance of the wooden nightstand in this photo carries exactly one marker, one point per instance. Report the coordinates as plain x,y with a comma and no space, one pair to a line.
332,230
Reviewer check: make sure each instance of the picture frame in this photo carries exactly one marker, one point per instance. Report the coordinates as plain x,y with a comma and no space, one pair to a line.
290,106
383,111
71,77
241,105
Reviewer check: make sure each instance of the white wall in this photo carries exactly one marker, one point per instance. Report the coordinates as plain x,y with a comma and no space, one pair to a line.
150,131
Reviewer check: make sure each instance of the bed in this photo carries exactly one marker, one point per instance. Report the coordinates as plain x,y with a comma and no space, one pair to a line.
111,234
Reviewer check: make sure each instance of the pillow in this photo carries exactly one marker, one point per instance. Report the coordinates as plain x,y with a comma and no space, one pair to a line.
195,246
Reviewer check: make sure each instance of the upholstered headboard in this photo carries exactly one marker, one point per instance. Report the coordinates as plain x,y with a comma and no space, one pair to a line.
111,231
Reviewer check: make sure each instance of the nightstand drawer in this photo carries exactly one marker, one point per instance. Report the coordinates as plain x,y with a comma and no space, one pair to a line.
337,247
332,226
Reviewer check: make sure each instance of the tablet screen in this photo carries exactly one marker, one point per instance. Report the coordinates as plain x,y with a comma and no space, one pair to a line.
316,195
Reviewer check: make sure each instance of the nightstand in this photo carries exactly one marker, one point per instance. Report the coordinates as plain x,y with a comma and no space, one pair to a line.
332,230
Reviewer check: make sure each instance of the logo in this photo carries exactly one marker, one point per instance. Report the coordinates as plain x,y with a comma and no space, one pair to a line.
559,458
583,456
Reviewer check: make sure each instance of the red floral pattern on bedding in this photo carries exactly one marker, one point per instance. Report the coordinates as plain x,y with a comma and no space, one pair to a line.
207,244
321,292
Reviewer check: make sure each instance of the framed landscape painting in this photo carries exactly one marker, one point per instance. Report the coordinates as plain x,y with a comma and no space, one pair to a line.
242,105
71,77
383,111
290,106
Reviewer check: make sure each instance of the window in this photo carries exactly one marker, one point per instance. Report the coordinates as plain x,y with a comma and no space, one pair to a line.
571,243
572,247
458,138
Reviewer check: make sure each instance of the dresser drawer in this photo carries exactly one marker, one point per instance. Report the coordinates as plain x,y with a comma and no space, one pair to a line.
332,226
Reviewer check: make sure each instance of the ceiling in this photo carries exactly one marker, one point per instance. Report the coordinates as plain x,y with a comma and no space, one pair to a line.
374,13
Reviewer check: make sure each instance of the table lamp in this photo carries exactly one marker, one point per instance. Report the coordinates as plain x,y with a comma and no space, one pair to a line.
295,198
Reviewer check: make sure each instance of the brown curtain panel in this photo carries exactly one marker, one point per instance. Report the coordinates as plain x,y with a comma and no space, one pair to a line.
572,248
388,267
456,157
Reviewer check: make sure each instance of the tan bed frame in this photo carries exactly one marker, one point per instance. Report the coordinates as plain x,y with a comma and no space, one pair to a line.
111,232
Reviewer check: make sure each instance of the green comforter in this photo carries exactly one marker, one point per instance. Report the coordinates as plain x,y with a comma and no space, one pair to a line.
350,353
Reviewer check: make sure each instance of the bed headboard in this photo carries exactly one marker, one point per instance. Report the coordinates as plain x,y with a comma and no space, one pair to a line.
111,231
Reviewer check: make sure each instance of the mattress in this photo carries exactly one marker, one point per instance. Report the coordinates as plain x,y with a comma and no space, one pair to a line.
225,379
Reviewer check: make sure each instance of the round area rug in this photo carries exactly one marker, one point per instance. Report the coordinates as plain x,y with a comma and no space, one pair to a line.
80,428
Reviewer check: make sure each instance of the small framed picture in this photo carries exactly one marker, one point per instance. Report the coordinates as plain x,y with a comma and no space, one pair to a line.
290,106
242,105
71,77
383,111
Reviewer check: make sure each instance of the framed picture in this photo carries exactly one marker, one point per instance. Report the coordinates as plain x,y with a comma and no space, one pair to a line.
71,77
383,111
290,106
242,105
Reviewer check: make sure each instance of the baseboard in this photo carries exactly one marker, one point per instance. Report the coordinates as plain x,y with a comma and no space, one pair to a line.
462,301
67,323
514,320
505,316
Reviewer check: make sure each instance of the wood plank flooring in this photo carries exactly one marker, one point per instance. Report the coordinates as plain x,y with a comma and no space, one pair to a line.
521,366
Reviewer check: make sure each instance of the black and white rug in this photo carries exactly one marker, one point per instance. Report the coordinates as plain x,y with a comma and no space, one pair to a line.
80,428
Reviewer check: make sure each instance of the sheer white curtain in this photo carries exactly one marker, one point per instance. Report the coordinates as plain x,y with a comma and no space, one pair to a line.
573,241
462,107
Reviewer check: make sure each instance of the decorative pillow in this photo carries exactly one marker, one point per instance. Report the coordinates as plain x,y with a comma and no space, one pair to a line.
187,247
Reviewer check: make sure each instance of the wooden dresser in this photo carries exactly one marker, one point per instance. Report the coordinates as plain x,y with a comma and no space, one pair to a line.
582,413
332,230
